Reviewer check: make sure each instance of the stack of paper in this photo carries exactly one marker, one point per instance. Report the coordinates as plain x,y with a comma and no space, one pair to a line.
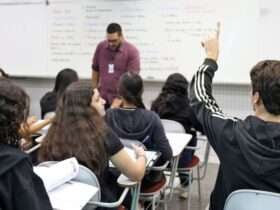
65,194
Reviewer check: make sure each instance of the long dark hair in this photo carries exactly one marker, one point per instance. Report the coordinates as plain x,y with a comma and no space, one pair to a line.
63,79
131,89
175,87
78,130
14,110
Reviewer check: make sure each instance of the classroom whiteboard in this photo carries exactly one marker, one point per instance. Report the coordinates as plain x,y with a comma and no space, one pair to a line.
39,38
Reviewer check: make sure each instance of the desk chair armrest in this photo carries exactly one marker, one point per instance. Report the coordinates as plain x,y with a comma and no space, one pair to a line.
201,137
32,149
192,148
159,168
111,204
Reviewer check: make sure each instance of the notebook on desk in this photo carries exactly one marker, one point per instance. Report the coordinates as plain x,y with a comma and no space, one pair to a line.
64,193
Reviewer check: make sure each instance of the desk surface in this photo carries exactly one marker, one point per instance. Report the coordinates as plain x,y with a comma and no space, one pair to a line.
178,141
124,181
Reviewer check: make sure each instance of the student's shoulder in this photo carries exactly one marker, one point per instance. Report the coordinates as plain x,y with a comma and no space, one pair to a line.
111,112
7,150
10,157
148,114
112,142
48,96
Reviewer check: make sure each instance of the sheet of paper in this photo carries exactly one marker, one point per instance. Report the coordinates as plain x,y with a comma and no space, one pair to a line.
58,173
71,195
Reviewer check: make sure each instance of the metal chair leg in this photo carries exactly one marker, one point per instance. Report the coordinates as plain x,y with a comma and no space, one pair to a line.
154,203
190,189
198,183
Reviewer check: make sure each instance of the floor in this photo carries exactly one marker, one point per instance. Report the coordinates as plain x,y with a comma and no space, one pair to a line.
206,188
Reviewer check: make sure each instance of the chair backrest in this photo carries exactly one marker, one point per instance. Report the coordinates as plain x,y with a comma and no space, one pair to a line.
85,176
176,127
204,143
172,126
252,200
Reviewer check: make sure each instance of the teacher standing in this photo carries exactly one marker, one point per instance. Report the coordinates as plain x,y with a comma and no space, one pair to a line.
112,58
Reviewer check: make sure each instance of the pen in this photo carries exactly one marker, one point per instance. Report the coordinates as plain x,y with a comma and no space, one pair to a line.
145,139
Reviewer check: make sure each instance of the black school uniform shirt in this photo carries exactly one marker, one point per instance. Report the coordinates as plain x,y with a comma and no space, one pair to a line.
110,190
20,187
248,150
48,103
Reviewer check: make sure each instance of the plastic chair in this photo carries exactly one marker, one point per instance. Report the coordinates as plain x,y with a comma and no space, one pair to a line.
86,176
154,193
174,126
252,200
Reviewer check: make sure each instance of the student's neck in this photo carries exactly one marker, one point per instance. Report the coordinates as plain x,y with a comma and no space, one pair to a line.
128,105
267,117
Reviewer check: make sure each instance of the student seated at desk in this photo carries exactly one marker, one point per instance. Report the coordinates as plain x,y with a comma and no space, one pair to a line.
248,150
20,188
132,121
173,104
63,79
79,130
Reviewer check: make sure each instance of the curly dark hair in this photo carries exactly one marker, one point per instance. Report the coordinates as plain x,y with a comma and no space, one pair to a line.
78,130
265,78
14,110
176,83
175,88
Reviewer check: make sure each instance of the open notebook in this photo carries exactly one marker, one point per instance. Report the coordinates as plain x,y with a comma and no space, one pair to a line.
65,194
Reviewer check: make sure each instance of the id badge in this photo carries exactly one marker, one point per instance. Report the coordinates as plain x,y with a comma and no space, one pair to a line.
111,69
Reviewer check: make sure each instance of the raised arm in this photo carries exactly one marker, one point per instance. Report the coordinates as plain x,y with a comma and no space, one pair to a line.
205,107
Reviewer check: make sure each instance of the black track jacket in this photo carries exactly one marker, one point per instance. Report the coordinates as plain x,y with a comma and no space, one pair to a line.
248,150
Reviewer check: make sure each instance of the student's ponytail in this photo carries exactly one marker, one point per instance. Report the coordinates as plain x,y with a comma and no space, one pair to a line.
131,89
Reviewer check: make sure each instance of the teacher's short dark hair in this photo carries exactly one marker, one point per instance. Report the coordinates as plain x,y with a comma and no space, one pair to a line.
114,28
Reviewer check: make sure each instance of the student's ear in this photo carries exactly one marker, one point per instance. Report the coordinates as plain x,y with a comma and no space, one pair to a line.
256,100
